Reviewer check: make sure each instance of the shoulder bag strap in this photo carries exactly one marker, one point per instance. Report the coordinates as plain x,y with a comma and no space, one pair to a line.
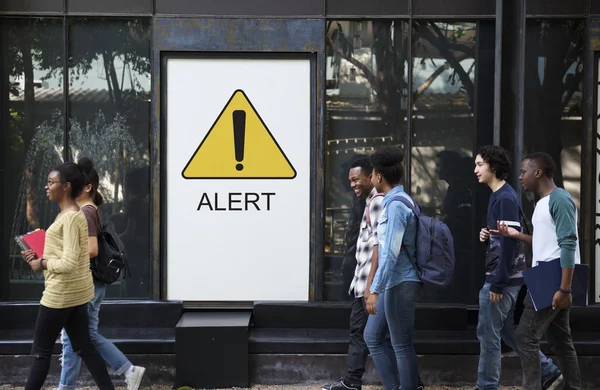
521,213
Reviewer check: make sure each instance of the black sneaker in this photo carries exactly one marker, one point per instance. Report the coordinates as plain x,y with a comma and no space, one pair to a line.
553,383
342,385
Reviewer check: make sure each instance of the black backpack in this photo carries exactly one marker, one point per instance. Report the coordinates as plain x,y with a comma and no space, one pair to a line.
110,263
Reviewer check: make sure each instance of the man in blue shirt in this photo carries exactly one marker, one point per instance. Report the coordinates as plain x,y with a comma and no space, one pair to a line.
505,261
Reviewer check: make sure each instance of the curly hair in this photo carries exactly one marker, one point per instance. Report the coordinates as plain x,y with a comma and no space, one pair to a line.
387,161
498,160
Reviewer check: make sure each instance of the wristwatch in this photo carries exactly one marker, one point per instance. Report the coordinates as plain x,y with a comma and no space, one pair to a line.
564,291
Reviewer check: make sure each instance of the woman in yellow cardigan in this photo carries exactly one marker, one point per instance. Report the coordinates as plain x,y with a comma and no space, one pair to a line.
68,282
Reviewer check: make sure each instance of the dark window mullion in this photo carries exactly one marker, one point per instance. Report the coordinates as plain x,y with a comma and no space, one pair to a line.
67,150
408,141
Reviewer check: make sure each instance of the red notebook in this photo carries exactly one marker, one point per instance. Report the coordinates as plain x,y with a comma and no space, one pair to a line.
35,240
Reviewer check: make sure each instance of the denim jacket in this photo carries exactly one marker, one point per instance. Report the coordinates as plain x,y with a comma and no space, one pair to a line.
397,232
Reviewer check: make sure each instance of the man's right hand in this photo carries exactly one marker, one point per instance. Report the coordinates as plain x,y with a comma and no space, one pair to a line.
506,231
484,234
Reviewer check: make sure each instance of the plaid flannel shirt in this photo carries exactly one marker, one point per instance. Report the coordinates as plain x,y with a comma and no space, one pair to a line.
367,240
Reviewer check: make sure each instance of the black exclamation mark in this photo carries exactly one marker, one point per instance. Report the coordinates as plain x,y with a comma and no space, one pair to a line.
239,136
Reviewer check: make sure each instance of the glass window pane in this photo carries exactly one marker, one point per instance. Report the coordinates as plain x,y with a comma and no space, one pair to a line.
31,111
443,142
109,97
553,98
367,94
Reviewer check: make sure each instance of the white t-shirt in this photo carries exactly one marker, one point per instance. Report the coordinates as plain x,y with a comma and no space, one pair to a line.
555,228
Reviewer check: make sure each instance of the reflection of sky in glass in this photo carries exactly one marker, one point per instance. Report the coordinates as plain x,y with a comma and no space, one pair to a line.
422,73
542,70
95,78
441,83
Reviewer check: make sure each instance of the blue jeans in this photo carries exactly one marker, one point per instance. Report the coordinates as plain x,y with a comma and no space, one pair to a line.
399,313
496,323
71,362
380,347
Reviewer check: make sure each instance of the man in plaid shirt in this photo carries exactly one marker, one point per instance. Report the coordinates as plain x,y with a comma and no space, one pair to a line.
366,258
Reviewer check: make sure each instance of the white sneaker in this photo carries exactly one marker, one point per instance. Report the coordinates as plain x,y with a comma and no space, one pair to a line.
134,380
556,384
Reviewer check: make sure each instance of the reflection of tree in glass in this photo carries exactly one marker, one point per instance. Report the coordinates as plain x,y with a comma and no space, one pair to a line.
106,44
448,40
31,43
100,140
45,150
126,40
112,148
553,76
390,48
22,41
37,142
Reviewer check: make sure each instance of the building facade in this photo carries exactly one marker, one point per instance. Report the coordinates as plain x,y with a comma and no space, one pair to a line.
437,78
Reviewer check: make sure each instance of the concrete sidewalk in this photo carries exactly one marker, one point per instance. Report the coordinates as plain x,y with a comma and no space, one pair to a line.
290,387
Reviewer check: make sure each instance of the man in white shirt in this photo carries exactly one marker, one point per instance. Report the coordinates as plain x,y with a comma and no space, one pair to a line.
554,236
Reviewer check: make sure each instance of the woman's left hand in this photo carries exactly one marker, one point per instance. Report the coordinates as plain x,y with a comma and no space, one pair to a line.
36,265
372,303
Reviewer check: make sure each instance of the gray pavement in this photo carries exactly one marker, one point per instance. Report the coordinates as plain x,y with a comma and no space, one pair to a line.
288,387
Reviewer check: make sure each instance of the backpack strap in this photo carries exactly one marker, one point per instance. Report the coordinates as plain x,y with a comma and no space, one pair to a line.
102,228
97,216
417,214
407,203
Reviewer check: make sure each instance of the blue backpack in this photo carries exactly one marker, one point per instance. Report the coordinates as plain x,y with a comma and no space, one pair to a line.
434,258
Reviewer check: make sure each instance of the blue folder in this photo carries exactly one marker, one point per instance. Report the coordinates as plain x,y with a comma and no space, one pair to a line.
544,280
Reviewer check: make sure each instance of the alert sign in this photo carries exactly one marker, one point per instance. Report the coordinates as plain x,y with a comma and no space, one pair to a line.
241,145
238,135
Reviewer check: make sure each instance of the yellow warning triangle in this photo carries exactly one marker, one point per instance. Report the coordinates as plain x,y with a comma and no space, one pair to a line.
239,146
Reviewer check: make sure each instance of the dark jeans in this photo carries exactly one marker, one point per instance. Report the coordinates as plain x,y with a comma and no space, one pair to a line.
348,270
357,350
555,325
380,347
400,306
395,359
47,328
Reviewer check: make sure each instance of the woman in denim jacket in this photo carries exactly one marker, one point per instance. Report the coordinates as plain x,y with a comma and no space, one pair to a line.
396,275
